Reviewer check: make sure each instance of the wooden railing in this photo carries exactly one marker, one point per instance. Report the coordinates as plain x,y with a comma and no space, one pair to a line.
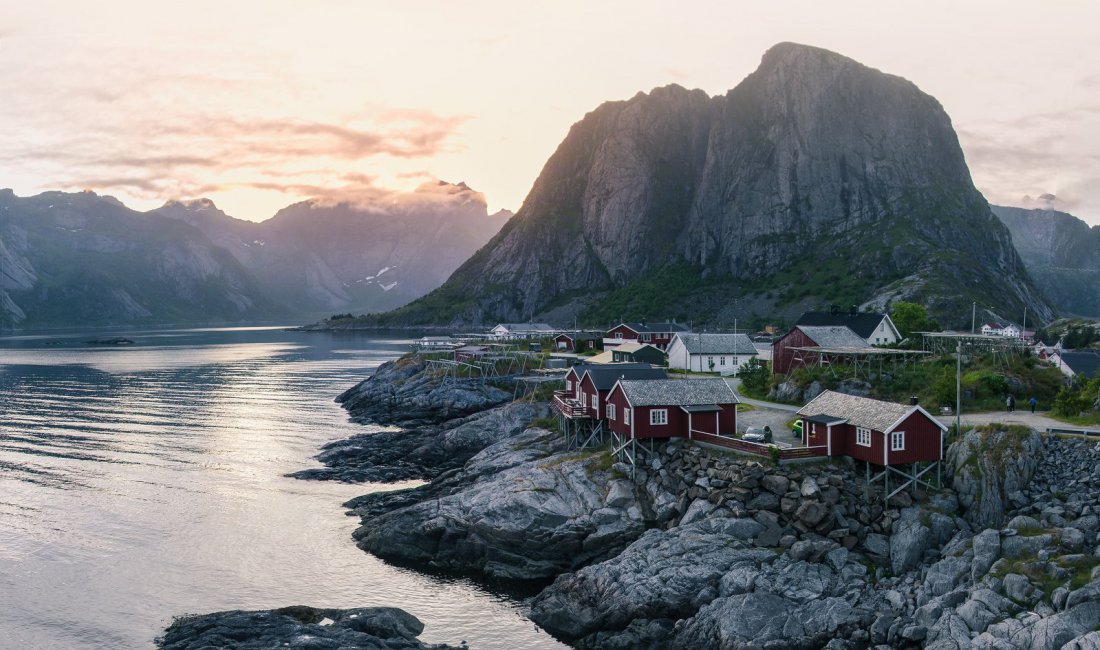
568,407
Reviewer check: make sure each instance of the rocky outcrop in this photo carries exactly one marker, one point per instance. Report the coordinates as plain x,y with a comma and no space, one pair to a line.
522,510
814,178
406,392
299,628
990,468
422,452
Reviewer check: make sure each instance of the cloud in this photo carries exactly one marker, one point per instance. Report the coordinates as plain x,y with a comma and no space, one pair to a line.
187,156
1054,152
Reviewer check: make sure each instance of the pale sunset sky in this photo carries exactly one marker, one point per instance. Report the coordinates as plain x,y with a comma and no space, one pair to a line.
259,104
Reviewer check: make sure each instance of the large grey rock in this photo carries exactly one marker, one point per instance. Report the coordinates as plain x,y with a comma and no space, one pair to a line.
532,517
406,392
663,574
1090,641
775,483
987,549
909,541
987,467
298,628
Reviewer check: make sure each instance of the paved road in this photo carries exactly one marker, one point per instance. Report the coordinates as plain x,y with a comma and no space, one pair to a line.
735,383
1026,418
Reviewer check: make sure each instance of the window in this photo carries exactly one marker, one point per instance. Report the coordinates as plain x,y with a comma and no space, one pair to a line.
596,403
897,441
658,416
721,361
569,385
618,335
813,428
626,416
610,411
584,398
863,436
710,361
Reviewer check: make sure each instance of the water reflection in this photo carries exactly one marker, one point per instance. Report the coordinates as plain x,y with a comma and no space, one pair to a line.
145,481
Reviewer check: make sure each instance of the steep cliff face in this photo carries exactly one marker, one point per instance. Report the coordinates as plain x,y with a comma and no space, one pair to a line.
816,178
87,259
1061,252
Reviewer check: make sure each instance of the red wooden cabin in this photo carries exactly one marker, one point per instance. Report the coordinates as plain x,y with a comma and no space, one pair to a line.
671,408
655,334
871,430
809,336
588,384
577,341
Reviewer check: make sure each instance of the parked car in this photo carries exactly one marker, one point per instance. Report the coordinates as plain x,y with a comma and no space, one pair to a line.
758,434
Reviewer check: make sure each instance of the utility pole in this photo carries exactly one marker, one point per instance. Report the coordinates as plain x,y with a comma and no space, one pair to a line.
973,316
958,388
1024,326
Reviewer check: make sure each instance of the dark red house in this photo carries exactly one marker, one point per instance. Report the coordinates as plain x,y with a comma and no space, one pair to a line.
671,408
809,336
598,380
876,432
655,334
577,341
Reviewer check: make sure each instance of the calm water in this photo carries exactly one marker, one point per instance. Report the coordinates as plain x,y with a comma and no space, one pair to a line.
143,482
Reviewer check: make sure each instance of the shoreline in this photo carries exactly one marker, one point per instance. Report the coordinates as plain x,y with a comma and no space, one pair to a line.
698,536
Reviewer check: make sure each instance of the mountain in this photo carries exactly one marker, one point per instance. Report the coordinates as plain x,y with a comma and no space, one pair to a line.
81,258
319,257
815,180
1062,254
87,259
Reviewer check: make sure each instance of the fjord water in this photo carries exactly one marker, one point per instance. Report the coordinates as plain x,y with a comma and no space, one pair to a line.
142,482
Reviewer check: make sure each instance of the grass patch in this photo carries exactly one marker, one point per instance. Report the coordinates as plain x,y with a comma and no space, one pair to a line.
745,408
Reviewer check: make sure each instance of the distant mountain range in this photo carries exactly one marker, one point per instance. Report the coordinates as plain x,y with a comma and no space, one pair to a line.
817,180
1062,254
80,258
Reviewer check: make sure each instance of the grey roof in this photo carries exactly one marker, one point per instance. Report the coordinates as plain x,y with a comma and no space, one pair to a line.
678,392
1082,362
649,328
858,411
834,336
717,343
862,323
605,375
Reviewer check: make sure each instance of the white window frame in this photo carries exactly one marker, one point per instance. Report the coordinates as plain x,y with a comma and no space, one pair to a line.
813,429
626,416
618,335
897,441
863,436
569,385
658,417
584,399
596,403
610,408
721,361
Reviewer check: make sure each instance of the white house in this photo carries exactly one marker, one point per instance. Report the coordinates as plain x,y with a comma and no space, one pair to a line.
722,353
515,331
996,329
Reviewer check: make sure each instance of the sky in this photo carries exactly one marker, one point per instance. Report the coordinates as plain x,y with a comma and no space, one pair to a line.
257,105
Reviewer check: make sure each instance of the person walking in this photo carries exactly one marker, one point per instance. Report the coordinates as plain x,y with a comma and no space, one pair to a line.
1010,403
1033,402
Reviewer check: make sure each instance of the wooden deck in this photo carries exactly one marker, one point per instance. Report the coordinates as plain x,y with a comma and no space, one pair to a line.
568,407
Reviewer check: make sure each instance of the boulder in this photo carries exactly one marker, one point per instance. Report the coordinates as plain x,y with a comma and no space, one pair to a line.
909,541
298,628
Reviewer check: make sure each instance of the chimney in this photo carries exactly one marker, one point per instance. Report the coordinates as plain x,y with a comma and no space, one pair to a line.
913,400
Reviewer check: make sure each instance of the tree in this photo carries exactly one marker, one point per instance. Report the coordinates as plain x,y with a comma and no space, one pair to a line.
909,317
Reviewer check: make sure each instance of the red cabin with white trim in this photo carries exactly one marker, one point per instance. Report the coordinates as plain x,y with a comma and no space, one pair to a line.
672,408
871,430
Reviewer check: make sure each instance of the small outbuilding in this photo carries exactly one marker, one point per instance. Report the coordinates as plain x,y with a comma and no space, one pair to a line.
578,341
638,353
671,408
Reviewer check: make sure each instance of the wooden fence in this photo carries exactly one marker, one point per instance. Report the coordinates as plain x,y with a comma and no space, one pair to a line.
760,449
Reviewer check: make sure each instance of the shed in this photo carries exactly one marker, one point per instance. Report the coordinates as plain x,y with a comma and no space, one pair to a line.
722,353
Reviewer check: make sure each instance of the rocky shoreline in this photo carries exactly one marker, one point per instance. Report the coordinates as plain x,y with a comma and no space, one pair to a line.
700,548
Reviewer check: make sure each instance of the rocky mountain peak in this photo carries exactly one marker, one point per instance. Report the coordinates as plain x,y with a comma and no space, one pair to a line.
813,160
